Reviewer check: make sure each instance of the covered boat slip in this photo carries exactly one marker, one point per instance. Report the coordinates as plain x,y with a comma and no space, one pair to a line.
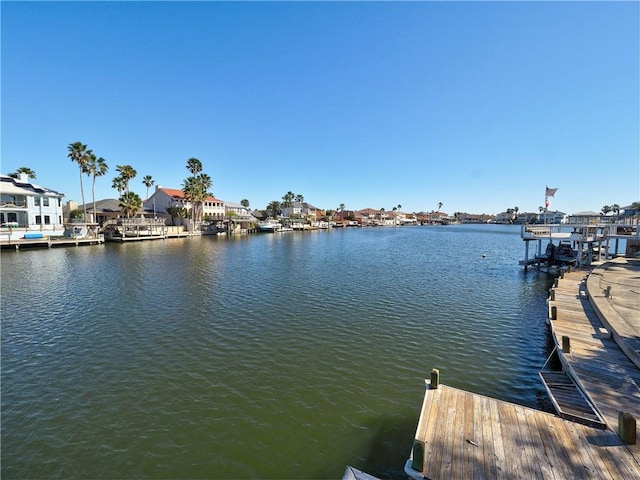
575,244
462,435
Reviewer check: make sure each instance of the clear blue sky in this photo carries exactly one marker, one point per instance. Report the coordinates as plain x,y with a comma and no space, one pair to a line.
475,105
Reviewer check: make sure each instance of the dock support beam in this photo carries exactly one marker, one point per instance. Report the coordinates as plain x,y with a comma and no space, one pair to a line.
566,344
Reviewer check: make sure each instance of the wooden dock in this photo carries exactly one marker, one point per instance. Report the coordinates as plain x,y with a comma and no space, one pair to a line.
462,435
50,242
590,356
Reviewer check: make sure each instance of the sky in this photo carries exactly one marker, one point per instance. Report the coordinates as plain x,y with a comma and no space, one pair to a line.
478,106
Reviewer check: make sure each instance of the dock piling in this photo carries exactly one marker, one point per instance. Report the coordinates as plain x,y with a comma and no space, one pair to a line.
627,428
566,344
435,378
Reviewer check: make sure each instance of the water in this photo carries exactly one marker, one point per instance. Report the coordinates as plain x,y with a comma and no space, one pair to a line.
265,356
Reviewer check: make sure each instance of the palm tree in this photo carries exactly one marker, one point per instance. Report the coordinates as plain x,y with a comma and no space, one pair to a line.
78,153
244,202
274,208
439,205
130,203
194,166
127,172
30,173
299,198
606,209
288,198
96,167
119,184
148,182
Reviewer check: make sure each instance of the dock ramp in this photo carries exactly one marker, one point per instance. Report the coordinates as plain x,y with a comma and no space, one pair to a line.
569,401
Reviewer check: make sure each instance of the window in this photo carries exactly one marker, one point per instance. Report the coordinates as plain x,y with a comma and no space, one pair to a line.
47,220
38,220
36,201
45,202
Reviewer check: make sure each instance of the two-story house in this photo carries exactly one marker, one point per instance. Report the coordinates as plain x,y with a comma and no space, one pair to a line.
166,198
28,206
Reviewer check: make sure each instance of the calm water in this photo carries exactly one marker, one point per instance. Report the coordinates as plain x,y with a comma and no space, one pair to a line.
267,356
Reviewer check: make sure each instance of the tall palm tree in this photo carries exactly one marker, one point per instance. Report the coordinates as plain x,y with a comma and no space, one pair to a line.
127,172
244,202
148,182
30,173
119,184
606,210
439,205
299,198
194,166
288,198
96,167
78,153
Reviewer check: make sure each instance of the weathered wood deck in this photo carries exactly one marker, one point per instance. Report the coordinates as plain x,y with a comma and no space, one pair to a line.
594,360
462,435
50,242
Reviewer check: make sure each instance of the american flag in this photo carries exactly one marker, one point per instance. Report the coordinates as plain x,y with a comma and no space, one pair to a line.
550,192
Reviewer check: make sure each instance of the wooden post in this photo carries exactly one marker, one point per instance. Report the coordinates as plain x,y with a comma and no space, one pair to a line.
552,295
435,378
607,292
566,344
417,458
554,312
627,428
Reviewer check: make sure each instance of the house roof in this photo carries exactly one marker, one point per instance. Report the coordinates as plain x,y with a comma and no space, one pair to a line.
15,186
175,193
107,205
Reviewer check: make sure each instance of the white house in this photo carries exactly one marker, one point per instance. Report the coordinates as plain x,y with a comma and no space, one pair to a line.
164,198
300,209
552,218
27,206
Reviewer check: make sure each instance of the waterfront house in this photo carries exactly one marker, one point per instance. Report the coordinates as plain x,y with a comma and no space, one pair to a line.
553,218
165,198
106,209
505,217
300,210
25,207
586,217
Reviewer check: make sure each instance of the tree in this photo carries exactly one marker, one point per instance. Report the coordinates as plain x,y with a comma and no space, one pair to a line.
299,198
274,209
439,205
287,198
96,167
244,202
79,154
130,203
30,173
606,210
196,188
615,208
118,184
148,182
194,166
127,172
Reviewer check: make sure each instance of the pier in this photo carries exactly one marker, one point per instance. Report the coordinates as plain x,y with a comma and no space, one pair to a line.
555,247
50,242
595,324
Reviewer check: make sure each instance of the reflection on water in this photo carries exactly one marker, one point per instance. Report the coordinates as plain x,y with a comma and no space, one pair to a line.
268,356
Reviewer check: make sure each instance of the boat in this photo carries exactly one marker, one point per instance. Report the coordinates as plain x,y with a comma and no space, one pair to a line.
269,225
